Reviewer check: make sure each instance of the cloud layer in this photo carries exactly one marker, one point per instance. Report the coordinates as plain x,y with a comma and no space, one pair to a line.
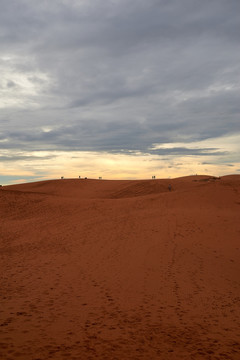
118,77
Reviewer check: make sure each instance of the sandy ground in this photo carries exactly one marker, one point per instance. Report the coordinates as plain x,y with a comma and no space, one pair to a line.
97,269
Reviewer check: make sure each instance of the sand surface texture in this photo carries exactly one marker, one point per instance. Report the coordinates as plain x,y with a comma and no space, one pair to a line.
95,269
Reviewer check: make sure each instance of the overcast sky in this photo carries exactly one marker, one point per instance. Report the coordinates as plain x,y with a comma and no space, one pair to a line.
119,89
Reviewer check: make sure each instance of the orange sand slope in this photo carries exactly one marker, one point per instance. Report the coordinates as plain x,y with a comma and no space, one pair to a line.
95,269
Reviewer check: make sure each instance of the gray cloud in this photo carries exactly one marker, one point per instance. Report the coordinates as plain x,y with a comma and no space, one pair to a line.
25,157
119,76
189,151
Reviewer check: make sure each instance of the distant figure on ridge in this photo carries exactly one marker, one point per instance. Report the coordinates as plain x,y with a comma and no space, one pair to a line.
169,187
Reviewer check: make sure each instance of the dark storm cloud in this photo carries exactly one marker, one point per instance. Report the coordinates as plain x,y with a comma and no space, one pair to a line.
119,75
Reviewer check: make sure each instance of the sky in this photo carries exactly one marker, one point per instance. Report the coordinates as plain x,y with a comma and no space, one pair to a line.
119,89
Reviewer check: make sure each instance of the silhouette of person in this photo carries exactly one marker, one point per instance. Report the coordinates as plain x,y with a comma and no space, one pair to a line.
169,187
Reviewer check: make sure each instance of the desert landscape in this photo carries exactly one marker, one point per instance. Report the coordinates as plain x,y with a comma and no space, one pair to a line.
118,269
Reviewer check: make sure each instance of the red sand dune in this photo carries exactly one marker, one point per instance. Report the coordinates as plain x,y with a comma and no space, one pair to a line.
95,269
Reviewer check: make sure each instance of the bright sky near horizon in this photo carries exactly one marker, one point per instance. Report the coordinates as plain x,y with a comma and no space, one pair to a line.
119,89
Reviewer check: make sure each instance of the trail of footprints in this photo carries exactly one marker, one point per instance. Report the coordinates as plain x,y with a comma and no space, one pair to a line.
110,332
